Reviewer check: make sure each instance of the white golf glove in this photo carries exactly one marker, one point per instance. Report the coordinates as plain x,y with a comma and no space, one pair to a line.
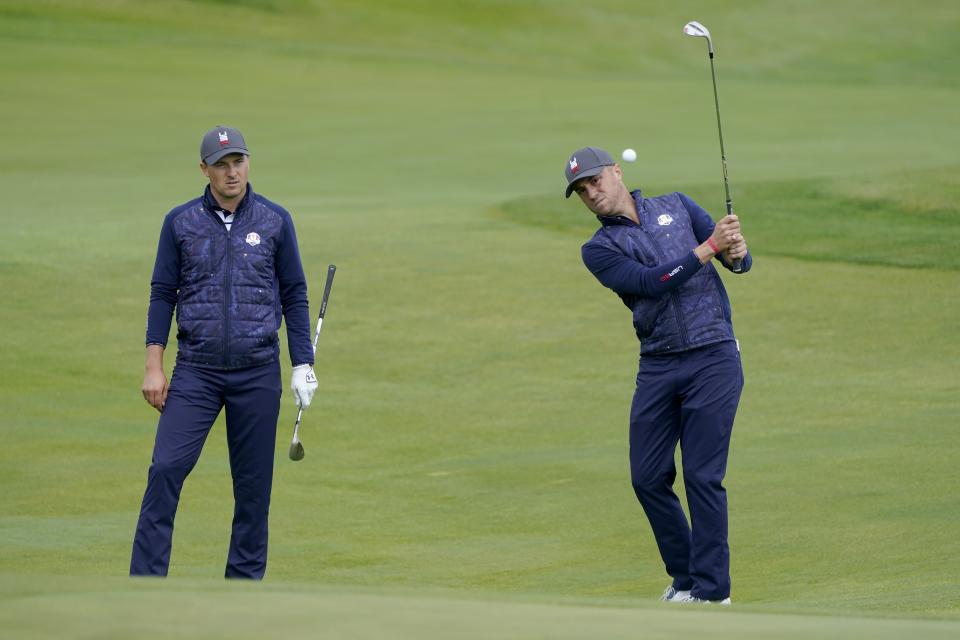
304,385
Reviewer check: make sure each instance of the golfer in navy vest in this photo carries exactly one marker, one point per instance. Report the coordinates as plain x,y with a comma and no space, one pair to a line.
658,255
228,262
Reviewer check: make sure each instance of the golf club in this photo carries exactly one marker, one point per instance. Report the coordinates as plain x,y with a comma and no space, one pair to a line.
697,30
296,447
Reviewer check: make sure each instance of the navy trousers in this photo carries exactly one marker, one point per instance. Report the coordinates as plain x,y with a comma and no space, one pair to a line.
251,398
690,398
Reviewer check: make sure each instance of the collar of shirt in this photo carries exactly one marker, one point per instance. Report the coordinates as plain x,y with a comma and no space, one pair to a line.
211,203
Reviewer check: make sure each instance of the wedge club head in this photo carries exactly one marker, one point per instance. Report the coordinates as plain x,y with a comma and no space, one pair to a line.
697,30
296,451
296,447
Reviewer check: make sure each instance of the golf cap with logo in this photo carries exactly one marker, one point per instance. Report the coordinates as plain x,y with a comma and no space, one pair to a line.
584,163
221,141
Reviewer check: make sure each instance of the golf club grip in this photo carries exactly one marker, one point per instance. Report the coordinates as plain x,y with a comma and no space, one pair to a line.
737,264
331,271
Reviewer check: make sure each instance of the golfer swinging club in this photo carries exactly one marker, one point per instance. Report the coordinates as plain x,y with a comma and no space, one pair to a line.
229,262
657,255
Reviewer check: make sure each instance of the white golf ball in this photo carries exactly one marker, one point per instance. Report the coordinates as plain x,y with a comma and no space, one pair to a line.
629,155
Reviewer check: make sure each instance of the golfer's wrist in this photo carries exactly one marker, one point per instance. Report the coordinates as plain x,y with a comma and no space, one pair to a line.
154,359
704,253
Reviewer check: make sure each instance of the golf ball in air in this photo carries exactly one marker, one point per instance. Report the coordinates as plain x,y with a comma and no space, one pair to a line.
629,155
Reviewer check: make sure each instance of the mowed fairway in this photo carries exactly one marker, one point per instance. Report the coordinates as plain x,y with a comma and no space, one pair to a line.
466,461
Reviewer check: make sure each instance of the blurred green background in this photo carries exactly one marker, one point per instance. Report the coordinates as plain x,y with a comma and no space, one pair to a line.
469,444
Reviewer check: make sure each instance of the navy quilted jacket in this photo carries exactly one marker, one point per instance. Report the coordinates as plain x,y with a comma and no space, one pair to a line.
230,288
677,303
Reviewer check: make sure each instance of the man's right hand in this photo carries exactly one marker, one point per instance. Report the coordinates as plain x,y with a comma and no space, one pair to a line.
155,385
155,388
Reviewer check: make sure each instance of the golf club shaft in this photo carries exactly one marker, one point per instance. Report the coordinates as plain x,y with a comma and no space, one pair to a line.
296,426
331,271
737,264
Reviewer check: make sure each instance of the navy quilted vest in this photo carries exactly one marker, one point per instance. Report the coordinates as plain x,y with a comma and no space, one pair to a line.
695,314
228,310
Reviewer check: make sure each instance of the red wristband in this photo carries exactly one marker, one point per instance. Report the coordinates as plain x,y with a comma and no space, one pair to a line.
713,245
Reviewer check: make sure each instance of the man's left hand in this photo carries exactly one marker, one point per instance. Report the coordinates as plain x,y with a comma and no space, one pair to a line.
304,385
736,250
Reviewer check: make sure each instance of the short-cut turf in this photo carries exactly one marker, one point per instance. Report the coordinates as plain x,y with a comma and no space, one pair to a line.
470,431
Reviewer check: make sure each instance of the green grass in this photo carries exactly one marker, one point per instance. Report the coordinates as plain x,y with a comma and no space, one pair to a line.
208,609
466,462
897,219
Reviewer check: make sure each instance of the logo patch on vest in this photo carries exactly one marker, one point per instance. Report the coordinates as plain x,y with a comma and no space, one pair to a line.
664,220
253,239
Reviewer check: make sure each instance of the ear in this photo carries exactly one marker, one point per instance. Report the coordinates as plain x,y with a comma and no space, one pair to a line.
203,169
618,171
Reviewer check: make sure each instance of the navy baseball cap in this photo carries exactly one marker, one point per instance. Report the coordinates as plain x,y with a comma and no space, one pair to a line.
584,163
221,141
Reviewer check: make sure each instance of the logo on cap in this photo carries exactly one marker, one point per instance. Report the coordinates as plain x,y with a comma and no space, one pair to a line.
253,239
224,140
574,167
